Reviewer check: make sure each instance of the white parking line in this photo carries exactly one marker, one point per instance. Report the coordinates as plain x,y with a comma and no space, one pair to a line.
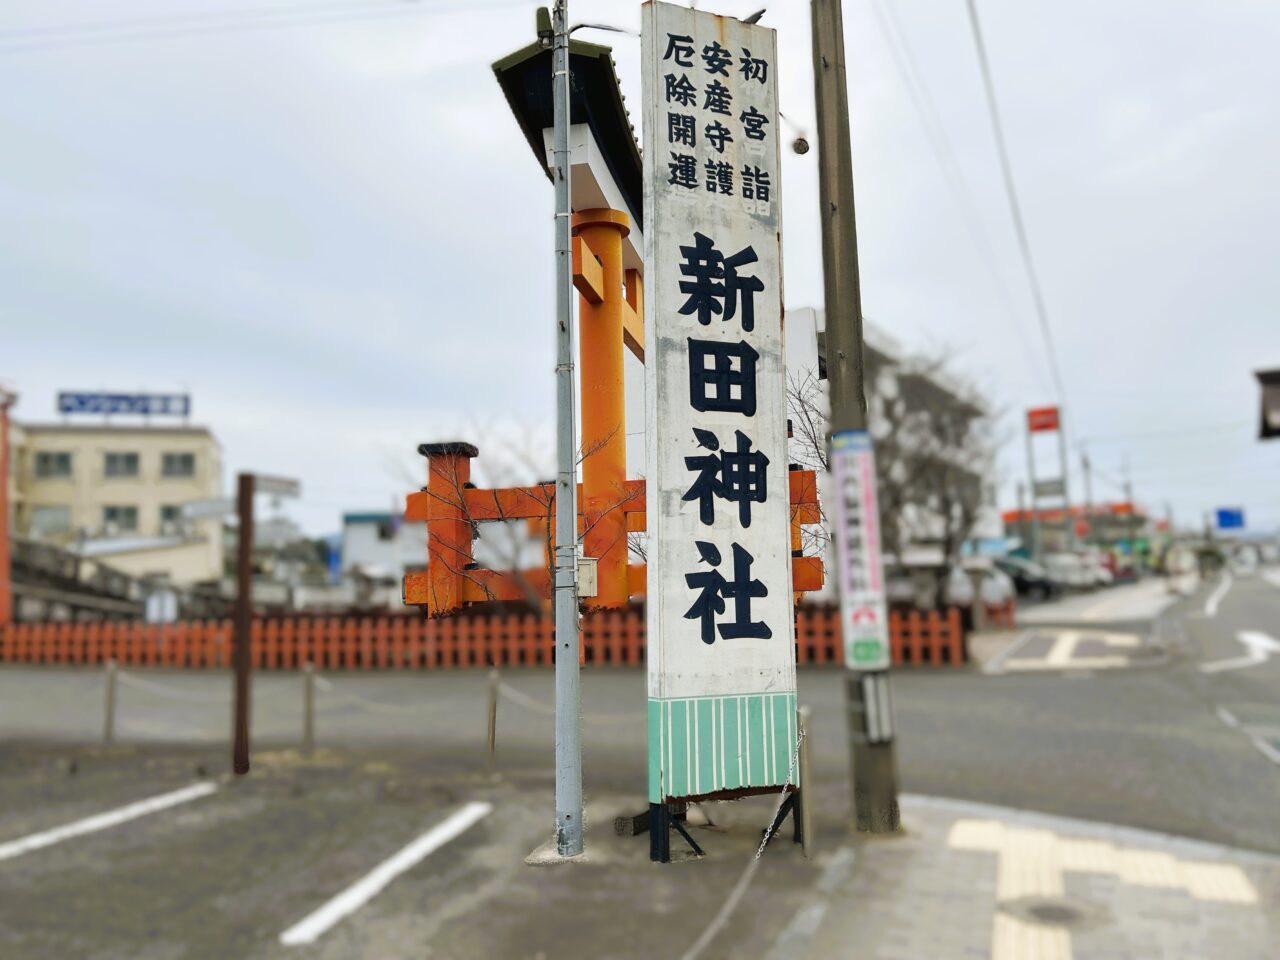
1215,598
1063,647
101,821
1266,749
1227,717
369,886
1259,645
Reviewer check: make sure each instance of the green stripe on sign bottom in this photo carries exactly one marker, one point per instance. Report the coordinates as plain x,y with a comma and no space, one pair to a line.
701,745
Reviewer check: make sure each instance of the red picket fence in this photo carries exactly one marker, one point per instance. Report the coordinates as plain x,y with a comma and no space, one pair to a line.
1000,615
611,638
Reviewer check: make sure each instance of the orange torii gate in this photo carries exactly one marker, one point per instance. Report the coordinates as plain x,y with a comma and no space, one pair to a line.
611,316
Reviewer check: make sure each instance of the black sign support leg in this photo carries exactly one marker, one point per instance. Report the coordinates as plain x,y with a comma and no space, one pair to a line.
659,833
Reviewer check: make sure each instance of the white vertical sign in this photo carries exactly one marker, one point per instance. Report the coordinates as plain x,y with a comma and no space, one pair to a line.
721,634
856,515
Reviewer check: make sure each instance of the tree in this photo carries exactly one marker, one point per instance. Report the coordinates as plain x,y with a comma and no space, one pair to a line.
934,445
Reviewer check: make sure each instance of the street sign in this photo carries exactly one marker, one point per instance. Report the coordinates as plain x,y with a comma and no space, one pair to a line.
146,404
1040,419
863,612
1230,518
206,509
1050,488
276,486
722,709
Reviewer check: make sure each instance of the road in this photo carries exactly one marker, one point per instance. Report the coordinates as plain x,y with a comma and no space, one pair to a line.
1155,743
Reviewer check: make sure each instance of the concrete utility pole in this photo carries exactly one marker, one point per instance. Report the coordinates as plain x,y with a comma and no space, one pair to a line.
1031,488
1022,515
1069,526
1086,468
874,769
243,625
568,829
1133,516
7,400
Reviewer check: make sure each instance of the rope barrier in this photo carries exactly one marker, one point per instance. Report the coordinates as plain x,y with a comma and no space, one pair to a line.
537,706
161,690
391,709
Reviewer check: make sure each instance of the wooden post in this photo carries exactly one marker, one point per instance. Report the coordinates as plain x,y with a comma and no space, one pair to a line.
6,585
308,709
493,717
243,632
109,704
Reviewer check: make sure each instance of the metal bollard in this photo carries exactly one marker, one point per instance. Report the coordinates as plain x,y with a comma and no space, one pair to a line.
308,709
493,716
806,784
109,704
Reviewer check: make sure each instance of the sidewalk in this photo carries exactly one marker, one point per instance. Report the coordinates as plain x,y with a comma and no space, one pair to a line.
972,881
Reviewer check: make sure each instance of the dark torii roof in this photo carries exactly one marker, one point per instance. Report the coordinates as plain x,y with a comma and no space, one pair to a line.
594,99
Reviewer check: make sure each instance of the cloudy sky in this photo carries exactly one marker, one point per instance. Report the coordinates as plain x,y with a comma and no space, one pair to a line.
320,219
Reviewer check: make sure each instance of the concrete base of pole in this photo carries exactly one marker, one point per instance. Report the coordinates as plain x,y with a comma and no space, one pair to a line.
546,855
874,767
875,788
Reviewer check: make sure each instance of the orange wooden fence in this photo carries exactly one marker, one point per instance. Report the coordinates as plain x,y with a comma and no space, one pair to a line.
611,638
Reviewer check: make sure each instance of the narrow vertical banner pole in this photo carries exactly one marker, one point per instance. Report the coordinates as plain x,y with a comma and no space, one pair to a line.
1069,524
243,625
1088,495
568,827
1031,489
864,616
6,565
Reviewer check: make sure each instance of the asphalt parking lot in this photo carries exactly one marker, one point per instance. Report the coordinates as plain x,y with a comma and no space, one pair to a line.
231,871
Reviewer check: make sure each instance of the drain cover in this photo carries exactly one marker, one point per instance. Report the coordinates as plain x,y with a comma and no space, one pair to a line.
1052,911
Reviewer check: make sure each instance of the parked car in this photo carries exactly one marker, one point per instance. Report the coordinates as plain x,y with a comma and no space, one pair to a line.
1071,570
1029,579
1098,570
997,587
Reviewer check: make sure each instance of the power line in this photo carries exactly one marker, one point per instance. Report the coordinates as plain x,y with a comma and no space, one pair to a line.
1015,207
935,131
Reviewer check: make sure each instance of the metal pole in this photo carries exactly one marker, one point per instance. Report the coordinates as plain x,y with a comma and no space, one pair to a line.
109,704
493,718
1022,515
1031,486
243,625
1133,518
1069,527
308,709
1088,494
806,782
568,829
6,566
874,770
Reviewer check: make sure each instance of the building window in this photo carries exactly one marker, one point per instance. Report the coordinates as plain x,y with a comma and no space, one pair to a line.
120,519
170,519
50,465
121,465
178,465
48,520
